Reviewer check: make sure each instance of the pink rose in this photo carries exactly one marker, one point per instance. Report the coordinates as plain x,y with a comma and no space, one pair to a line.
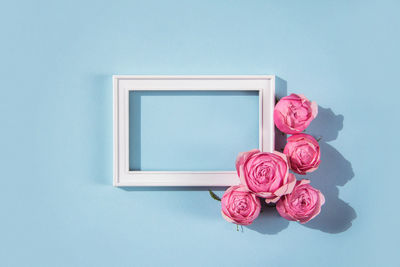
293,113
265,174
303,153
303,204
239,205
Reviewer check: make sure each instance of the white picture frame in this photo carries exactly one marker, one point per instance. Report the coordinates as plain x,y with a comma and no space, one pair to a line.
123,84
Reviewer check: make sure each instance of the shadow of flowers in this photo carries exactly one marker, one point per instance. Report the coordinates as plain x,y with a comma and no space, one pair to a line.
269,221
336,215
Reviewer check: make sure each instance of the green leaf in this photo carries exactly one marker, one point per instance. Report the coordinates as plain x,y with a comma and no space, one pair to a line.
214,196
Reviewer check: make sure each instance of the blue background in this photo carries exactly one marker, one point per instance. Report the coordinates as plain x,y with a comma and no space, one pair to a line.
58,207
191,131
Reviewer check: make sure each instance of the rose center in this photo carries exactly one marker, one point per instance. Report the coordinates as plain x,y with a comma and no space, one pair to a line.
305,156
265,174
304,201
299,113
242,205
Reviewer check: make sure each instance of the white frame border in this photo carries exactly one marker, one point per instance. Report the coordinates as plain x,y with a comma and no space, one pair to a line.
122,84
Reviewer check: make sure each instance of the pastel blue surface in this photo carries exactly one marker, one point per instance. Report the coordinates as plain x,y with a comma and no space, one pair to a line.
191,131
57,203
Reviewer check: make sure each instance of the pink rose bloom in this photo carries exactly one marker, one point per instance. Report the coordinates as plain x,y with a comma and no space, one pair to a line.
303,153
303,204
265,174
239,205
293,113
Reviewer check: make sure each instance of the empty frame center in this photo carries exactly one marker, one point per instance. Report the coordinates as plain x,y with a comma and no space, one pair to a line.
191,130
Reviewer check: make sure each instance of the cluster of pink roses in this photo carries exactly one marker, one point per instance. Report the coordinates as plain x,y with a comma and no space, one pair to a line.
266,175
